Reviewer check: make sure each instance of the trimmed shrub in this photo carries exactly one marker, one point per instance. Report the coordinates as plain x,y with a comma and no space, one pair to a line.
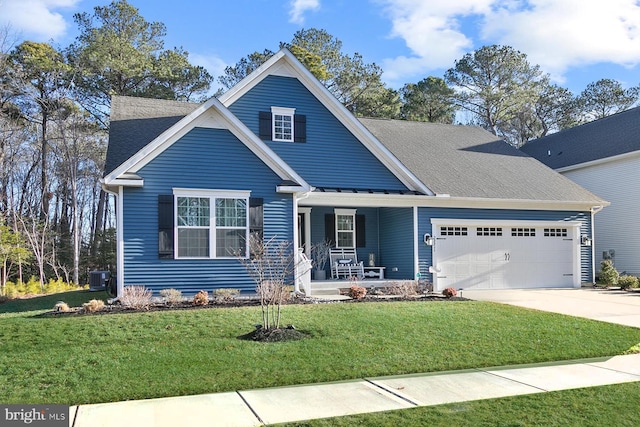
608,274
287,292
171,296
357,292
201,298
92,306
136,297
225,294
628,282
450,292
62,306
404,288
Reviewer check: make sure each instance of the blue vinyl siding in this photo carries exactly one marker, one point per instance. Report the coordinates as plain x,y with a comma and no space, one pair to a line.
203,159
425,215
396,242
331,156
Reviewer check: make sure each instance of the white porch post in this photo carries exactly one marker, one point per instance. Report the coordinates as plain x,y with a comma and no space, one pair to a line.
294,245
302,262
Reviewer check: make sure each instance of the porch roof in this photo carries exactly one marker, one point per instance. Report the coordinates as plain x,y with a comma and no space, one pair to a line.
364,191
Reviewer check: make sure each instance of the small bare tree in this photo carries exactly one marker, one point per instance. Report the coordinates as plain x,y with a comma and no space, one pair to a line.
272,266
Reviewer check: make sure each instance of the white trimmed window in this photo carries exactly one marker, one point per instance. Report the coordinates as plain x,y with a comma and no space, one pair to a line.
345,228
211,224
282,123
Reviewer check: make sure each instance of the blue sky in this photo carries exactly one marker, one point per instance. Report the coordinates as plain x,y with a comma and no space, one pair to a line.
576,41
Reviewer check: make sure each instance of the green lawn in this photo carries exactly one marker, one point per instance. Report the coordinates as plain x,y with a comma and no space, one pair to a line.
89,359
614,405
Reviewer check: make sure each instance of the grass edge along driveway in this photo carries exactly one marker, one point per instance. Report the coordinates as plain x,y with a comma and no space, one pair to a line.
92,359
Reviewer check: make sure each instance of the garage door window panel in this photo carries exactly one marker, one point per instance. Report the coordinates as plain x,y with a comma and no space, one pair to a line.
523,232
555,232
454,231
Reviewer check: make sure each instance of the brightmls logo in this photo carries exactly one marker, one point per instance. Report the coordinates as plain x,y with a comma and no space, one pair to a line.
35,415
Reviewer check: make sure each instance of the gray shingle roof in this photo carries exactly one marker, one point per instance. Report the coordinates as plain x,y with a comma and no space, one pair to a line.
462,161
137,121
607,137
467,161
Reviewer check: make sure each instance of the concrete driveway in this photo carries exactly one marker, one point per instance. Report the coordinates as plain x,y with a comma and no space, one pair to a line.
612,306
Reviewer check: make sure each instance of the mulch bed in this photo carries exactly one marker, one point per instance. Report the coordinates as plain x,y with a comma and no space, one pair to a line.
288,333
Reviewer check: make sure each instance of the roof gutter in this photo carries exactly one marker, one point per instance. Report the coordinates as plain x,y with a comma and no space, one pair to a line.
445,201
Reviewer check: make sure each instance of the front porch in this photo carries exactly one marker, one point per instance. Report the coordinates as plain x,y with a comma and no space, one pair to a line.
383,239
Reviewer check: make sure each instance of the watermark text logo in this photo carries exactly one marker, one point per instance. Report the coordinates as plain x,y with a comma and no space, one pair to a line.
34,415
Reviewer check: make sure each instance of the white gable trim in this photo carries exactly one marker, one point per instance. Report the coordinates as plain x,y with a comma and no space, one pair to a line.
214,115
284,63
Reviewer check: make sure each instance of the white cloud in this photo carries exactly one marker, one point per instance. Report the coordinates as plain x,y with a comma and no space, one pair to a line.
432,31
558,35
299,7
35,18
555,34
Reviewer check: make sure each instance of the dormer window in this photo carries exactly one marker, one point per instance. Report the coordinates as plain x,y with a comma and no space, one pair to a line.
282,123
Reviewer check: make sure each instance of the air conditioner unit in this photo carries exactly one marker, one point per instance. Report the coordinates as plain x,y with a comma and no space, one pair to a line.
98,280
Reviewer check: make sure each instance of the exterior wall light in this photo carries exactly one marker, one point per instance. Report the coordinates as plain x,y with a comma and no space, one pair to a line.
428,240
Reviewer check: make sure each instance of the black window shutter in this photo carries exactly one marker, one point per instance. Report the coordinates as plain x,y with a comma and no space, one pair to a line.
256,215
330,228
165,226
300,128
264,127
361,235
256,221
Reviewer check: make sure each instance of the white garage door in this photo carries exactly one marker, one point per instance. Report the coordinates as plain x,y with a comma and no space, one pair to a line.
498,255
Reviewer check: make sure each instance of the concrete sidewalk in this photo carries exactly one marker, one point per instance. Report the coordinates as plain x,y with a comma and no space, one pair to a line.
304,402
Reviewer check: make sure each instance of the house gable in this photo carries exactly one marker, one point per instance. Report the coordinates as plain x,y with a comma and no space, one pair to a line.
211,114
330,156
284,67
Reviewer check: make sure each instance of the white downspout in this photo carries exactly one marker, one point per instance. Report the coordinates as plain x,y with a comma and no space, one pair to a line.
416,243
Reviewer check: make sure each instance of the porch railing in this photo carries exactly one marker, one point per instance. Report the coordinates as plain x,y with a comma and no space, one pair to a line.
303,273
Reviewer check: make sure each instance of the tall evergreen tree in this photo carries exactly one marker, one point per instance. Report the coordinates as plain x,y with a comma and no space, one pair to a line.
429,100
495,83
606,97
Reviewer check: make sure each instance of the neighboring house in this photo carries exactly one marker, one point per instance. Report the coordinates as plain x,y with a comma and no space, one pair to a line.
278,154
603,156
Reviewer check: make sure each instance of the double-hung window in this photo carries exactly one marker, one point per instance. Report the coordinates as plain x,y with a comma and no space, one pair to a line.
345,228
282,123
212,224
194,226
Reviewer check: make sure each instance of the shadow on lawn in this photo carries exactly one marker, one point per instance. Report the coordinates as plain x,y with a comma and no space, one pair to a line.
46,302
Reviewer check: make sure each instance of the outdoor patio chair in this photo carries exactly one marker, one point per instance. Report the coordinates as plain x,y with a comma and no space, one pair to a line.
345,264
